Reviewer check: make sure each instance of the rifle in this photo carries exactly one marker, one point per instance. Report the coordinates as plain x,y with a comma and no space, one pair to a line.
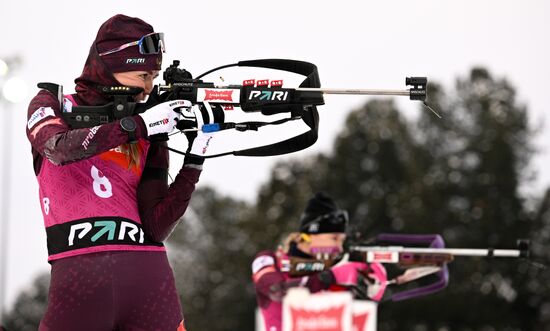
420,262
417,262
268,97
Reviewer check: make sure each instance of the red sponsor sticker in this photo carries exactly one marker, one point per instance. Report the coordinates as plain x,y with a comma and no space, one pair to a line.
249,82
263,82
277,83
382,256
218,95
321,320
228,107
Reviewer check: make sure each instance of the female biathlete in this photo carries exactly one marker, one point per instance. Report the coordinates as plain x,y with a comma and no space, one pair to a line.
104,192
321,237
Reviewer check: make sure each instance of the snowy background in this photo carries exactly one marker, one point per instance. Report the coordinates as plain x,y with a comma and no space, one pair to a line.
355,44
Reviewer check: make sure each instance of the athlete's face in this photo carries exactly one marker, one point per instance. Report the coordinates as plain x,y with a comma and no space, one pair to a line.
143,79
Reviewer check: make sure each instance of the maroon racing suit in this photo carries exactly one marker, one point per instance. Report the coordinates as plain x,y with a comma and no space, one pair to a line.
109,270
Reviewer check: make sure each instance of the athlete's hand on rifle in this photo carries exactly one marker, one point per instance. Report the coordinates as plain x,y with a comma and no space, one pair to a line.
198,141
377,281
347,273
163,117
364,280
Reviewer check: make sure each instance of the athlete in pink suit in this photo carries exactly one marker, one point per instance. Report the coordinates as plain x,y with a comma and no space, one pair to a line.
104,193
321,237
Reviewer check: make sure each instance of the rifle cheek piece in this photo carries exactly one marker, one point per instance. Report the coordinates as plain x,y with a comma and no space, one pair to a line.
122,106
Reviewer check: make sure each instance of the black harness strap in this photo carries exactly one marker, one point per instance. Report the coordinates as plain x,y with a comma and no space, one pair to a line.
308,113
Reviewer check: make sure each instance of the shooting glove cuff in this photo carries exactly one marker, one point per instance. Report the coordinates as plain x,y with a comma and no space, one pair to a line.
193,161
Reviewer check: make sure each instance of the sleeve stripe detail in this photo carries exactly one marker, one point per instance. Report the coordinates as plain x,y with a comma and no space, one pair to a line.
34,132
262,272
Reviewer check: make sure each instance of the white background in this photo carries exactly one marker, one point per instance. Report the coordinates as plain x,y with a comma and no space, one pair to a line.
359,44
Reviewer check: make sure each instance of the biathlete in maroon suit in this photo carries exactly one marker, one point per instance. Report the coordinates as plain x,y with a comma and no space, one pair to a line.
104,194
321,239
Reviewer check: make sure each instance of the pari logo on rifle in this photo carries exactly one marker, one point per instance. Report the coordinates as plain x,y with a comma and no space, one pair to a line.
268,95
312,266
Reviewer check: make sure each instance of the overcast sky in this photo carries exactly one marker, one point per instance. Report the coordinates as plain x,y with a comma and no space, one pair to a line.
364,44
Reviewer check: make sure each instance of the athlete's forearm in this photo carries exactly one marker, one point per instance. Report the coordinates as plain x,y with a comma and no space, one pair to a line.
161,206
52,138
78,144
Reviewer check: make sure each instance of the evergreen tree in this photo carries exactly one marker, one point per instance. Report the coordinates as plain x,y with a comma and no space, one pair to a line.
371,170
480,152
30,306
538,286
211,252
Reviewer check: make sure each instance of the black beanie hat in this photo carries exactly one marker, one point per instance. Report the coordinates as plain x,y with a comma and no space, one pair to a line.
322,215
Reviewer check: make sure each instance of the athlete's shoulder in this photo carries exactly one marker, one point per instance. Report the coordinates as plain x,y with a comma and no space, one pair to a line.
44,107
44,98
264,259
